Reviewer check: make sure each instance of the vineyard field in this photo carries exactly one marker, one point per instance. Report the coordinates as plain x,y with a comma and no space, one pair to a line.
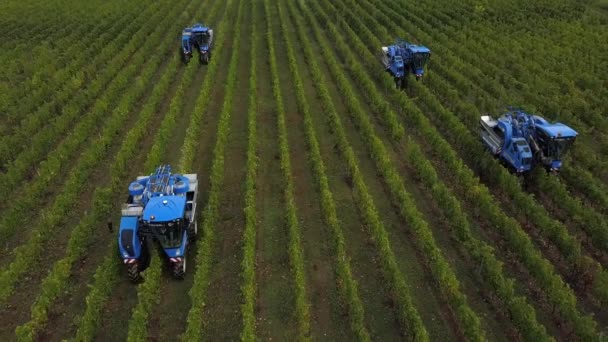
332,206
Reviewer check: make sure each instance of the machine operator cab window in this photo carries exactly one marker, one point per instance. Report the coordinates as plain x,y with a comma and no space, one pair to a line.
202,38
420,59
171,233
420,56
555,147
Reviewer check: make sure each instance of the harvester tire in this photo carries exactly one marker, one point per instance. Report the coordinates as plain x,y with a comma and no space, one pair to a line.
179,270
193,231
185,58
133,272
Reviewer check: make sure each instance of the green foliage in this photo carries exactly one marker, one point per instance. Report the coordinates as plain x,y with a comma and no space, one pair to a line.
557,291
486,53
522,314
27,254
408,316
585,217
148,297
105,279
55,283
442,271
249,286
48,88
29,144
296,257
346,284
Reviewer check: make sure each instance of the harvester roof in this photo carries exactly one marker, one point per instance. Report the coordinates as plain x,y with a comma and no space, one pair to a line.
419,49
558,130
164,208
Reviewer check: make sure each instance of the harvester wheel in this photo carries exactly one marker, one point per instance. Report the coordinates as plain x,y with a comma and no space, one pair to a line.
179,269
185,57
133,272
193,231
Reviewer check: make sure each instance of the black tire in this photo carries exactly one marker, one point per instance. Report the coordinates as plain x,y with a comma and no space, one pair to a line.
133,272
184,56
179,269
144,258
204,59
193,231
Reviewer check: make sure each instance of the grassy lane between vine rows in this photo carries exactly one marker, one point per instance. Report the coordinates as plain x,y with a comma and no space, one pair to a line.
275,297
248,282
326,308
346,286
294,246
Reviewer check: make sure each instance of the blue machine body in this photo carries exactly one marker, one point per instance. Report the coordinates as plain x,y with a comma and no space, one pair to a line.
164,209
198,37
160,207
403,58
524,141
128,240
201,38
186,40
